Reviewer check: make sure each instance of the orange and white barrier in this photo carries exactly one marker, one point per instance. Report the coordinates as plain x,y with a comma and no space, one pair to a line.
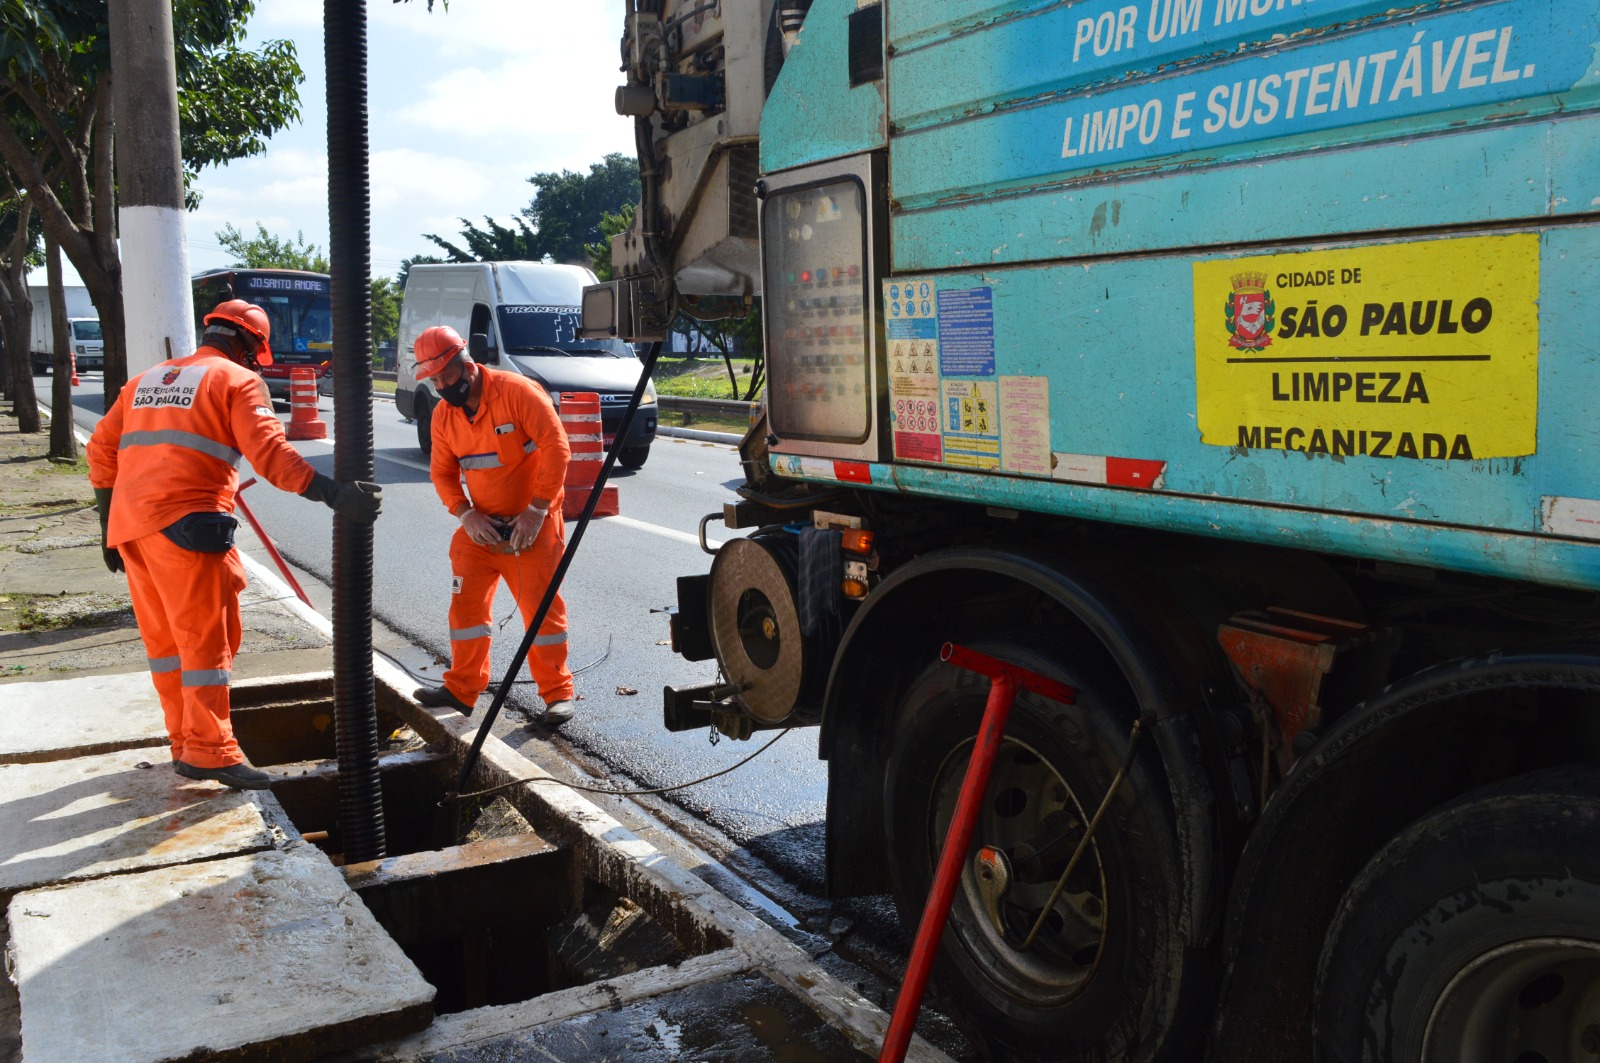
580,416
74,356
304,420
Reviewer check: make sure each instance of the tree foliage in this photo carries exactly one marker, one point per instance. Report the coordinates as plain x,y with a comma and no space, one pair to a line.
266,251
415,260
599,252
386,297
56,128
564,218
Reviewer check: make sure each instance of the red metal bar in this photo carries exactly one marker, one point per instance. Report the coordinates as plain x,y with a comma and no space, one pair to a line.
1006,681
266,540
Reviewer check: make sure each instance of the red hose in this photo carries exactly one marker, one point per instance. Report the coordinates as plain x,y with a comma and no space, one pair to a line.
1001,694
266,540
1006,681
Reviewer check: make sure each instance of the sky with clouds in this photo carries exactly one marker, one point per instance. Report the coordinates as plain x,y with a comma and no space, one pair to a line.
464,104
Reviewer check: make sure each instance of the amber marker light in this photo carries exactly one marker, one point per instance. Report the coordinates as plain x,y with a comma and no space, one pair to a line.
856,541
854,588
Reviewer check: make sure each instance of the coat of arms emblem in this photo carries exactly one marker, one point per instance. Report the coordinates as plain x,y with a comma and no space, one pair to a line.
1251,312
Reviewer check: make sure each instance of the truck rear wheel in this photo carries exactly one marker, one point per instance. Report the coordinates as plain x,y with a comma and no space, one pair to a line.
1472,936
1109,977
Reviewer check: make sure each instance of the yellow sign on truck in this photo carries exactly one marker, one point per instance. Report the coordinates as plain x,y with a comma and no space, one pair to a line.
1410,350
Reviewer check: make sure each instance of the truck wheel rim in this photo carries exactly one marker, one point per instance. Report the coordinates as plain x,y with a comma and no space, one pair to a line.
1533,1001
1024,790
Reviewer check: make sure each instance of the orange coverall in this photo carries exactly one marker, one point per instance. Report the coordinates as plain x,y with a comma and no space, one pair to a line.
512,451
170,447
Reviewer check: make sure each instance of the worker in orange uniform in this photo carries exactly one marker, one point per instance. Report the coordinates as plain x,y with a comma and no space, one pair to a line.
500,431
164,466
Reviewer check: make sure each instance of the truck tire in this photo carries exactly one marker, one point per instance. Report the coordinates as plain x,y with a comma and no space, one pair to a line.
1473,935
424,419
1110,977
634,457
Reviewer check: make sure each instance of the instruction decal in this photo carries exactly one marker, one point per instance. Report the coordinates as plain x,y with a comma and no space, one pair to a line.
971,424
1416,350
913,337
966,330
1025,425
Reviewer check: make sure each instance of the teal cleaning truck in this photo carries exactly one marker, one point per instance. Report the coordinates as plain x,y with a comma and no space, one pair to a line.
1235,362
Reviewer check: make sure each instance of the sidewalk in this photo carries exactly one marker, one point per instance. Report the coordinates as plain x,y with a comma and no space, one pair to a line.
151,919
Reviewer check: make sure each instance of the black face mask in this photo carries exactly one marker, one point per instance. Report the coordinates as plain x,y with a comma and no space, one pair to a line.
456,394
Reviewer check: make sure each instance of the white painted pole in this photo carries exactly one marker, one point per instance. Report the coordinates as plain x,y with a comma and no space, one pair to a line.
157,301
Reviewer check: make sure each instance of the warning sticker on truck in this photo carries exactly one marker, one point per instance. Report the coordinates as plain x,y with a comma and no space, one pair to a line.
913,338
971,424
1420,350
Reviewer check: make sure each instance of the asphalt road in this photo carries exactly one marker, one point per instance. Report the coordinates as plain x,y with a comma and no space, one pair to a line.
619,583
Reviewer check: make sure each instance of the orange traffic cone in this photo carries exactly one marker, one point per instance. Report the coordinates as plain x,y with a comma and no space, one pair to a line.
304,421
580,416
74,356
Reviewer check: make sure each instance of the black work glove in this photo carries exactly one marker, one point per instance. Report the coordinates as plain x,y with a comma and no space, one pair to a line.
358,500
102,502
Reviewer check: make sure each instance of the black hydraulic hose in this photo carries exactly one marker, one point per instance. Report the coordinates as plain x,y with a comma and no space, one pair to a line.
555,580
355,717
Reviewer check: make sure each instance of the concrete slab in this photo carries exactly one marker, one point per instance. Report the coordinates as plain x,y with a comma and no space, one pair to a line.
742,1016
66,718
76,819
267,956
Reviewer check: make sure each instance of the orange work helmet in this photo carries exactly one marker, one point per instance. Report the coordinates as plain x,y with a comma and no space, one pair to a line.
251,319
435,348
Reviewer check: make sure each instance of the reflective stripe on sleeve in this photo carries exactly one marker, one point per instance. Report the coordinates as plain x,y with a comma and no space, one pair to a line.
462,634
553,639
165,664
206,677
481,461
175,437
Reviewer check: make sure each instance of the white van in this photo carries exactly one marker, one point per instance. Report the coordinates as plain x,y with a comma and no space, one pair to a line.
529,312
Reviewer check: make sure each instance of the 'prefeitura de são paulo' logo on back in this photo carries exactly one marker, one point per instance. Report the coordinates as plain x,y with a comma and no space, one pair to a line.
1251,312
175,386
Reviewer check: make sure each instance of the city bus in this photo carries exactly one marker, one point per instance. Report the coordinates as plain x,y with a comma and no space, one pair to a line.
298,307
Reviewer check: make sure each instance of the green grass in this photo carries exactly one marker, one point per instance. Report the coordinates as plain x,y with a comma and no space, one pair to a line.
700,378
64,468
735,425
385,387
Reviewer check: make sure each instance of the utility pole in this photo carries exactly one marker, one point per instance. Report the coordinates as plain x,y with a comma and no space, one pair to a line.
156,297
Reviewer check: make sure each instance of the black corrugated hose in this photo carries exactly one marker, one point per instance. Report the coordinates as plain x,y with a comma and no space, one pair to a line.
534,624
355,719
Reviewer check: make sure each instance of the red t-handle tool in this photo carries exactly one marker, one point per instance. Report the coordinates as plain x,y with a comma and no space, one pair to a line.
1007,680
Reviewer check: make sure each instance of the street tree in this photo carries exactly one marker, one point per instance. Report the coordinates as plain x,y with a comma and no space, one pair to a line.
266,251
56,132
385,312
18,241
562,221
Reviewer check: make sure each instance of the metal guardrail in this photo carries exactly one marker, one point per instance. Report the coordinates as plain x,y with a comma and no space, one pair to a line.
379,374
707,407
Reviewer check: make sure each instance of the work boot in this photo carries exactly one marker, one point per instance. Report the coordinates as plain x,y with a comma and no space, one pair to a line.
240,776
557,713
441,698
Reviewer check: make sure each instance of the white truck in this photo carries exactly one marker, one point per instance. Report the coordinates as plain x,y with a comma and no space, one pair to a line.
83,326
